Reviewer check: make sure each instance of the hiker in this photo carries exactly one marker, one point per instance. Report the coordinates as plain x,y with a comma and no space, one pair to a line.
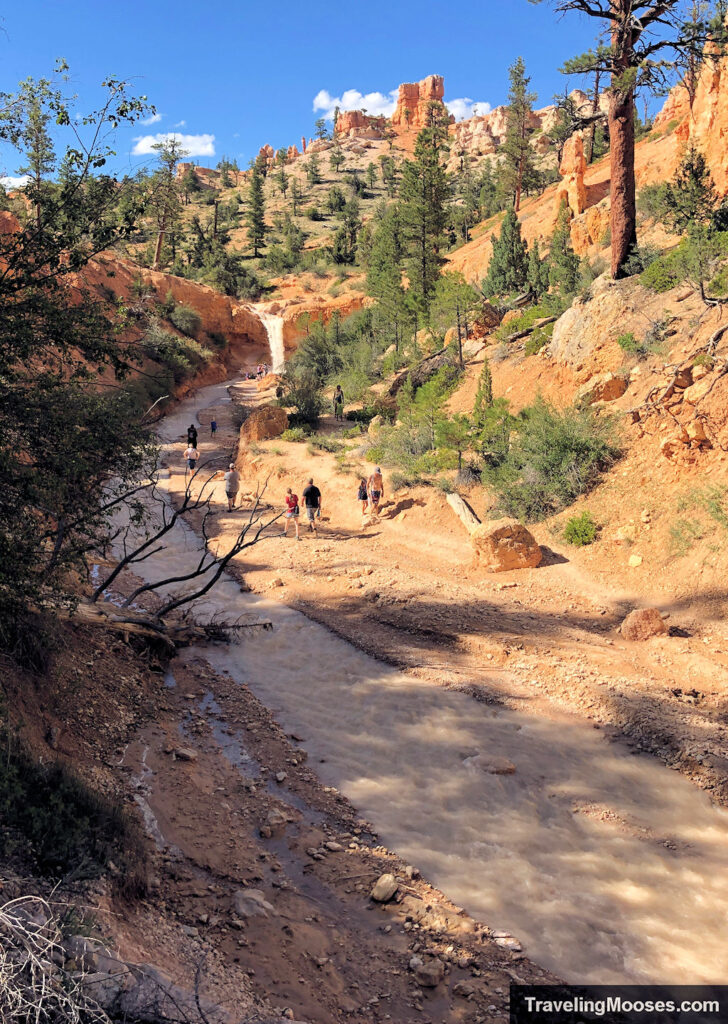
362,496
312,501
291,513
192,455
338,403
375,486
232,484
192,435
213,428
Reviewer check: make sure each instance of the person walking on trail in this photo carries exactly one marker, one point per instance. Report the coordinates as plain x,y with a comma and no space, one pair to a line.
232,485
363,496
375,486
291,514
213,427
192,455
192,435
312,501
338,403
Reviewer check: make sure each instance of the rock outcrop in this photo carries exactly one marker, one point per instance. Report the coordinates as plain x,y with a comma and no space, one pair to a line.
573,165
265,422
504,544
355,123
413,102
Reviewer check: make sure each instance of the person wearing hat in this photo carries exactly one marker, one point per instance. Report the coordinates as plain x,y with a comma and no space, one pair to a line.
375,487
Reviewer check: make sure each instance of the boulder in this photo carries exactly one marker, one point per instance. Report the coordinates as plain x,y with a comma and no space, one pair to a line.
264,423
696,432
643,623
384,888
252,903
429,974
697,391
503,545
606,387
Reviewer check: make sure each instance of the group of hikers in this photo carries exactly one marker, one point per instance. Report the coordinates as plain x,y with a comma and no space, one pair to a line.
370,492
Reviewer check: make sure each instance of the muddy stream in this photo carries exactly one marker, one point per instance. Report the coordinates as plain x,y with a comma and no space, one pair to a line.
607,866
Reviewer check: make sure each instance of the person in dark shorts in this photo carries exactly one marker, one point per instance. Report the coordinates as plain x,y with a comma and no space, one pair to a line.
232,485
291,513
192,435
376,490
213,428
312,501
363,496
192,455
338,403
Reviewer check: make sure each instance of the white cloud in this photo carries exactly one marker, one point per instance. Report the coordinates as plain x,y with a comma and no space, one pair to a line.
152,119
193,145
9,181
465,108
180,124
352,99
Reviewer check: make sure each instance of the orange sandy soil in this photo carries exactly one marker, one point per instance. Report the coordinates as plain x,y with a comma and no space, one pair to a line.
403,587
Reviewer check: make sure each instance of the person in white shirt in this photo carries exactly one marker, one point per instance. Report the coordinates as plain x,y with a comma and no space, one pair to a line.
192,455
232,485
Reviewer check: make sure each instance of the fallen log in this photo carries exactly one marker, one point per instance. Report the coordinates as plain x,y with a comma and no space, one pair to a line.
170,634
463,511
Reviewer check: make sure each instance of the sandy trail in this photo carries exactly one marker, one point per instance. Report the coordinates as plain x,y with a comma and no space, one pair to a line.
600,861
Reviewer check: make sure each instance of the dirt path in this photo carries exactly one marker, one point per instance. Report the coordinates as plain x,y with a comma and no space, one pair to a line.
444,626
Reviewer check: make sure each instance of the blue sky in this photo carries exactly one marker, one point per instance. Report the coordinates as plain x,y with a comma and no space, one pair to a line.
234,76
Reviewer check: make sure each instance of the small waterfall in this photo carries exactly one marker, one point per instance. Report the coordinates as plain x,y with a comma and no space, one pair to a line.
274,326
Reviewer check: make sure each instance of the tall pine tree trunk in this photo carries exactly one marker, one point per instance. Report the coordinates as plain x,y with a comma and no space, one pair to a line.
623,212
160,243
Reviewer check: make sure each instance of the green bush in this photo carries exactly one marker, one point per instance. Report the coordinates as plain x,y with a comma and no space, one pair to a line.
581,530
186,319
554,457
538,338
51,815
322,442
663,273
294,434
627,342
399,481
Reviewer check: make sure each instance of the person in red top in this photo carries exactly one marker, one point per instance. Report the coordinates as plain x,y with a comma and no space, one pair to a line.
291,512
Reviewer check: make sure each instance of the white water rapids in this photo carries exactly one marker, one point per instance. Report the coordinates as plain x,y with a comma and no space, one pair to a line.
593,901
274,326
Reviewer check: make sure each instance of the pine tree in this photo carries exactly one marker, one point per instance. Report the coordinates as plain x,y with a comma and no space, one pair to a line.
385,272
484,395
538,271
255,216
35,140
519,168
371,175
313,170
295,196
453,301
281,180
321,131
336,158
423,196
508,267
165,200
563,262
645,41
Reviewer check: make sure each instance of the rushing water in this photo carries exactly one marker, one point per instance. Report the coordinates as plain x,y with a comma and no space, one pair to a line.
607,866
274,327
